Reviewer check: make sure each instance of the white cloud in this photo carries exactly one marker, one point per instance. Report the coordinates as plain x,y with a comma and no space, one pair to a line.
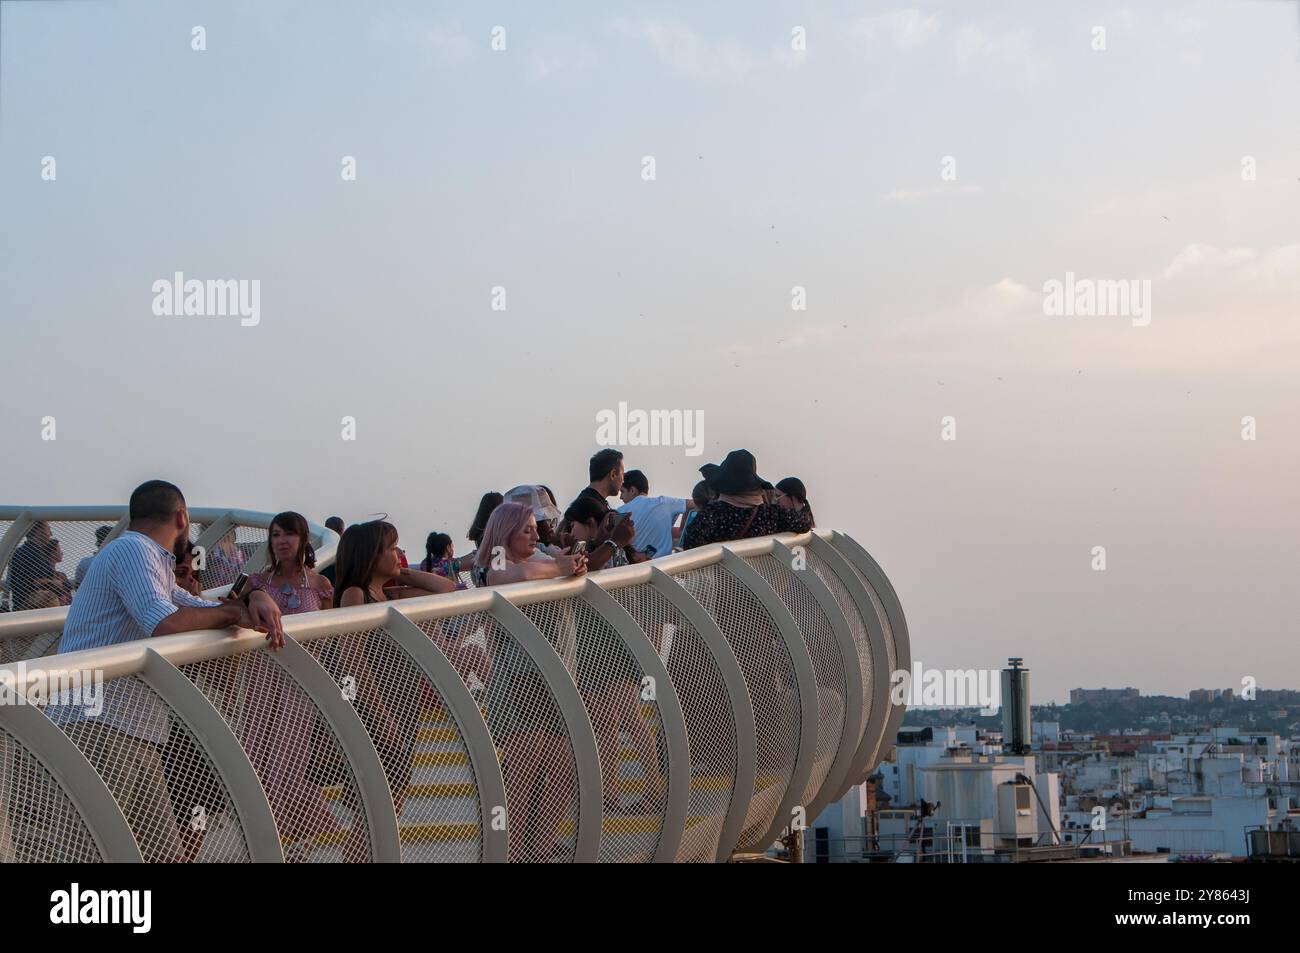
1185,23
901,29
970,42
684,51
1124,20
552,58
799,336
922,192
1242,268
1013,49
449,45
807,334
1211,307
687,52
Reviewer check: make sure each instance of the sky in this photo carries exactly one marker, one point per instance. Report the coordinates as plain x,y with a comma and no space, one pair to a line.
914,177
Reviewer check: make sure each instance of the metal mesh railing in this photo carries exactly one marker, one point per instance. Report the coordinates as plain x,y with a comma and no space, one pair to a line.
877,607
529,733
21,647
894,637
515,723
857,627
294,752
46,566
173,798
38,821
706,707
239,549
633,765
769,676
420,746
827,663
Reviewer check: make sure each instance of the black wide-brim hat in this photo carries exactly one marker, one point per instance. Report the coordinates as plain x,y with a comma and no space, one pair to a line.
738,473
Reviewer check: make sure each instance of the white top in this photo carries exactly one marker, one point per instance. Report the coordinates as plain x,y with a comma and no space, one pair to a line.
654,517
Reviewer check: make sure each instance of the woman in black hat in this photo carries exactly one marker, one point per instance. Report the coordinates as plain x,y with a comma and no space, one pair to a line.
740,511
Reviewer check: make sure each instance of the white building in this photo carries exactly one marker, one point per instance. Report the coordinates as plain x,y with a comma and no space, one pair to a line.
1192,794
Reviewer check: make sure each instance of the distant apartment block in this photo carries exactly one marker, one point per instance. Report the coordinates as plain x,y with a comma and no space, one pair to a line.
1206,695
1100,696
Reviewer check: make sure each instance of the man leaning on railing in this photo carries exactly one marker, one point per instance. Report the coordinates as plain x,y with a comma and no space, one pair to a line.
130,589
130,593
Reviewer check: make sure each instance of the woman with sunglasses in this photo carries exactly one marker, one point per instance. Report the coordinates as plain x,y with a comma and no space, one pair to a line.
290,578
278,724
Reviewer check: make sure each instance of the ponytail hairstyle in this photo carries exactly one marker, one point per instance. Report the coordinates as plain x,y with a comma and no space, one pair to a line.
793,487
435,548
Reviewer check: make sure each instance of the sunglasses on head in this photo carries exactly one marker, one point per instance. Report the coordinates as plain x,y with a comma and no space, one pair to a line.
288,590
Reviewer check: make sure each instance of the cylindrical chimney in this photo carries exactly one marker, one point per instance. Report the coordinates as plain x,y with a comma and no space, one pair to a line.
1015,707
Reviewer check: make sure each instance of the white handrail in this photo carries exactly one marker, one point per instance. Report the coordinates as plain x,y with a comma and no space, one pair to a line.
419,755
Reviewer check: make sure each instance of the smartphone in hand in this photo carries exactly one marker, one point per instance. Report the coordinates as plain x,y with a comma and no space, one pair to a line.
237,587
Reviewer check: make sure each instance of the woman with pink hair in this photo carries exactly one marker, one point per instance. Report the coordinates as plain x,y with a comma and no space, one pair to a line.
522,715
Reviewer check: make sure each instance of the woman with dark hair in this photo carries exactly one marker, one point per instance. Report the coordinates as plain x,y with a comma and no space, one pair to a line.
701,495
791,494
277,724
440,558
290,577
369,569
490,501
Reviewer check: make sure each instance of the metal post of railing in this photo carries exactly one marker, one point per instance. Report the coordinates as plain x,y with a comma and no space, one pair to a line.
189,704
805,686
742,710
870,569
671,719
74,774
9,542
488,780
851,729
218,528
867,755
582,737
363,758
118,529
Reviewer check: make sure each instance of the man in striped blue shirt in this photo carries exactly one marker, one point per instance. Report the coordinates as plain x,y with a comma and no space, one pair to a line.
130,589
130,593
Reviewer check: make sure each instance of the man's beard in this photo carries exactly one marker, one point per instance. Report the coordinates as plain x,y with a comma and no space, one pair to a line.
181,544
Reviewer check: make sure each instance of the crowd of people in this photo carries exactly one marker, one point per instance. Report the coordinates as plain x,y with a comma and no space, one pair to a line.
143,583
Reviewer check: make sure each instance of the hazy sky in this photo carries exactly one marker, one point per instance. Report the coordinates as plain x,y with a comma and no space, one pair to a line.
775,167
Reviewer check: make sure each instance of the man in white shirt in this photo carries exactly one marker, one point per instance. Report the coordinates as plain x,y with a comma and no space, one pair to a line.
654,516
